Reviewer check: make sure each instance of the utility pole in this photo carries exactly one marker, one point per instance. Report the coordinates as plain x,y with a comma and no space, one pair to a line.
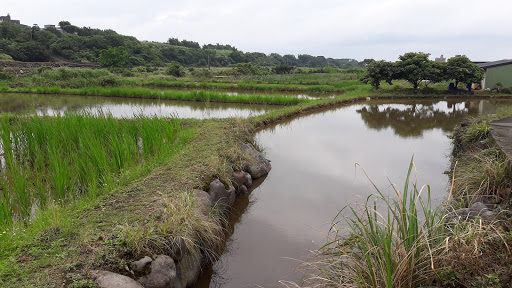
208,58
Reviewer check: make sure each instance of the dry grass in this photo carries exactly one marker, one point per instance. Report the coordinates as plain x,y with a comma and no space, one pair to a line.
480,173
180,219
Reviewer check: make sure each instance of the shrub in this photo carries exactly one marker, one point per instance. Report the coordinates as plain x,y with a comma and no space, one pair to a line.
6,76
175,69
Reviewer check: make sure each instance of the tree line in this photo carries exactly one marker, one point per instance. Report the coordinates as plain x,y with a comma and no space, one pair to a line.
85,44
415,68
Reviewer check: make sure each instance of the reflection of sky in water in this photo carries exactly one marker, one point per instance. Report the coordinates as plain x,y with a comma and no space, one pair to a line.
317,169
126,107
162,110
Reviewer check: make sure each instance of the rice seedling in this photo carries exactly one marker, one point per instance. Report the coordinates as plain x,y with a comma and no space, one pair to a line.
202,96
63,158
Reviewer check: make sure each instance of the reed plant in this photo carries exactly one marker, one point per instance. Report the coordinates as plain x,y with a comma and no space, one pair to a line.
47,160
401,240
392,241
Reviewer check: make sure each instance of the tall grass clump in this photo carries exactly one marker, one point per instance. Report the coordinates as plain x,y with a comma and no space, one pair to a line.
184,217
389,242
47,160
481,173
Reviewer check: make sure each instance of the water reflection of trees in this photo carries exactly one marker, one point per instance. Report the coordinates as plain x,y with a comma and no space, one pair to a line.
48,104
412,119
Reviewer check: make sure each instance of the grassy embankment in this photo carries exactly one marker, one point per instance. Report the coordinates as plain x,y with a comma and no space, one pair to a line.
66,78
140,84
120,214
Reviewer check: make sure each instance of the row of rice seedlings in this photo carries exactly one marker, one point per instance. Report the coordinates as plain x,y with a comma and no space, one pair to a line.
338,86
60,159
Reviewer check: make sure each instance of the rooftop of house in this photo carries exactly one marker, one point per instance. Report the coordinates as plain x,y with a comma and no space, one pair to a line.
492,64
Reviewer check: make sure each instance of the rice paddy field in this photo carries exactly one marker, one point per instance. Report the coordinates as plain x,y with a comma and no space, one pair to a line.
82,191
60,159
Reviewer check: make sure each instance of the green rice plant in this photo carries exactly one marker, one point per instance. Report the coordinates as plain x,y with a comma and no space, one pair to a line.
394,245
204,96
65,157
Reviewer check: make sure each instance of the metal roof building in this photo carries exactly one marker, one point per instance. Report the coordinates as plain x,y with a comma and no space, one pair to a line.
497,72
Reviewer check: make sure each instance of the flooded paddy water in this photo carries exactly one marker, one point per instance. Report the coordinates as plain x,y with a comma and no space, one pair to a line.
317,169
125,107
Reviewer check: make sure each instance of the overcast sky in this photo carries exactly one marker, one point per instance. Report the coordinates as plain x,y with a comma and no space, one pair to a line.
358,29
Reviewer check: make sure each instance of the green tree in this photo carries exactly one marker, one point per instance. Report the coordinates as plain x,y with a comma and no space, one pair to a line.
435,72
366,62
29,52
175,69
283,69
173,41
113,57
461,69
412,67
63,24
378,71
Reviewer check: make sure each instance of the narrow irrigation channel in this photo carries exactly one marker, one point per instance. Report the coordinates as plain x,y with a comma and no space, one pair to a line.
319,163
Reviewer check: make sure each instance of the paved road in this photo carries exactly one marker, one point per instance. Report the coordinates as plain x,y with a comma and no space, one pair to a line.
501,131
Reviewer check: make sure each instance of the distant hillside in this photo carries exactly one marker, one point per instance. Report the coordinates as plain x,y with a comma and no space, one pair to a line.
75,44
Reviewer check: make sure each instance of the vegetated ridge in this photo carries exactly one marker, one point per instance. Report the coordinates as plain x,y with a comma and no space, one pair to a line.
72,43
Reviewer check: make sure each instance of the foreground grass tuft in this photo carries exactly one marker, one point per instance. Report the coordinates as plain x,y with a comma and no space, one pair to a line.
390,242
402,241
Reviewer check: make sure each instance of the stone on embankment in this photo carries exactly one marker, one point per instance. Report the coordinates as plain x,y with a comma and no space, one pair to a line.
504,194
256,164
202,202
242,190
478,209
188,269
219,193
179,247
248,180
163,273
142,266
105,279
241,181
238,179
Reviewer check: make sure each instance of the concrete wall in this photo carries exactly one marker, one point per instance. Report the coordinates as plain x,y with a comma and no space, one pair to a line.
501,74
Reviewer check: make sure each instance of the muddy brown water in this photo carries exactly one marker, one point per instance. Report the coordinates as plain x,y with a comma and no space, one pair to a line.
125,107
317,163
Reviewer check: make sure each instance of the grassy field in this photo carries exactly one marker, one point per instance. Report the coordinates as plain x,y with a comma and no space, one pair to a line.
88,78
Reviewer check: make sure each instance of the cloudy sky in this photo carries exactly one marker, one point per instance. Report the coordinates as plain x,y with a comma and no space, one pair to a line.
358,29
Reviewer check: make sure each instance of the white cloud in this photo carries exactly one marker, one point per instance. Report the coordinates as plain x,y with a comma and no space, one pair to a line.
378,29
